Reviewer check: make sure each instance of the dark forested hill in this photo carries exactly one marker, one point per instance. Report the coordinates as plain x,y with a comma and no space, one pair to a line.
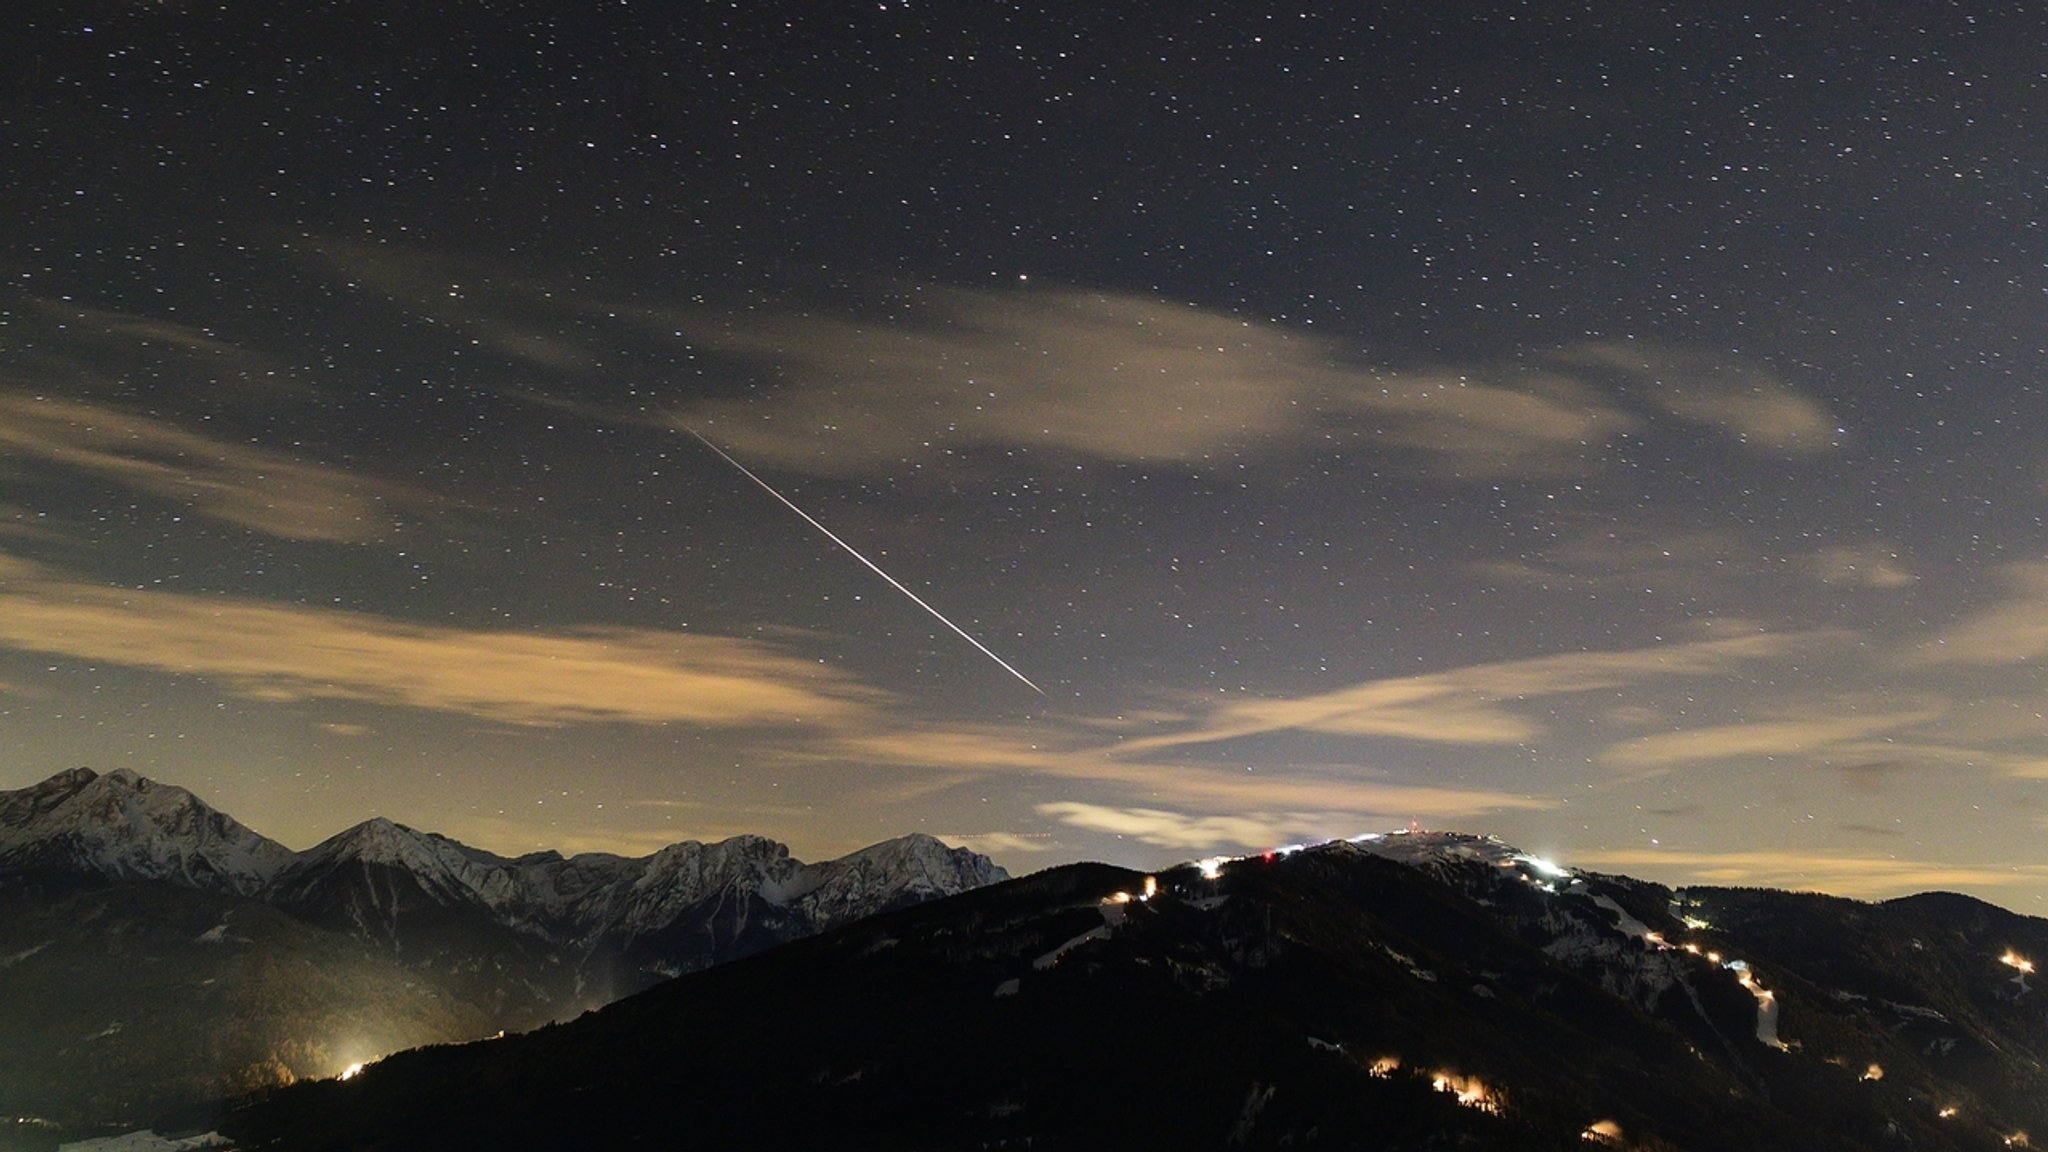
1426,991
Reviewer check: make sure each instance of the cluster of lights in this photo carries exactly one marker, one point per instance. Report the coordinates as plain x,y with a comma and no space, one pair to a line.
1602,1132
1469,1091
1151,890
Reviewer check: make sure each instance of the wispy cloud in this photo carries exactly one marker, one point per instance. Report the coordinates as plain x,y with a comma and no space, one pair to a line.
2012,631
508,312
270,651
1103,375
1031,751
237,483
101,327
1125,378
1634,556
1115,377
1734,396
1472,705
1823,730
1170,829
1864,877
1003,843
1870,564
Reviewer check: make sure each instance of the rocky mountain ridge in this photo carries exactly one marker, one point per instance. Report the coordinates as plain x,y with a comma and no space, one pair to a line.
122,826
114,881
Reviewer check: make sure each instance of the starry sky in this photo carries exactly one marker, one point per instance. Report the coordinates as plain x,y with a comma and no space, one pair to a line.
1611,426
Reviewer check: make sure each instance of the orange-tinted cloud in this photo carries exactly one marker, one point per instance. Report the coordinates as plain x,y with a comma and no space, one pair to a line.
1114,377
1826,730
236,483
1003,750
1472,705
2012,631
1170,829
285,652
1737,397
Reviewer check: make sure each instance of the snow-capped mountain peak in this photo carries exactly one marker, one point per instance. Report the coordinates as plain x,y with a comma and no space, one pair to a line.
120,825
905,870
615,922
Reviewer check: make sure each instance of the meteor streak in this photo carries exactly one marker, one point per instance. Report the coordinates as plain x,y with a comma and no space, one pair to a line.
872,566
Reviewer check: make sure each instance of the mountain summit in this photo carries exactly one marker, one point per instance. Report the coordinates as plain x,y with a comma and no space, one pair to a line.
121,826
123,900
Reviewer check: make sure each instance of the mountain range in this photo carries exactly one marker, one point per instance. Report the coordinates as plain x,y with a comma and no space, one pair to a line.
155,951
1407,991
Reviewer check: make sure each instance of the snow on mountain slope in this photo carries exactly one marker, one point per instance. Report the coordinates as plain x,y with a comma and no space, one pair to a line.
373,876
683,875
901,871
449,872
123,826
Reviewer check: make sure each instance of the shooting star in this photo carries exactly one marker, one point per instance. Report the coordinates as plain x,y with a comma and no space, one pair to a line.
872,566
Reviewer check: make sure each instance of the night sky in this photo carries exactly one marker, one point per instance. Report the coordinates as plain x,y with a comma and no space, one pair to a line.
1616,427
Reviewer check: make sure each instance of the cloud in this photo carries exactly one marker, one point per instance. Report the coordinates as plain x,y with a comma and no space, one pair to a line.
102,326
1823,732
2012,631
1737,397
1862,877
482,298
1111,377
269,651
1175,829
991,749
1631,556
991,843
1472,705
255,488
1868,565
2022,765
1103,375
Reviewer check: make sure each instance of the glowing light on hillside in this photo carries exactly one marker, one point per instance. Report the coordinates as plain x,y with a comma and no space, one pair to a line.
1695,923
2012,959
1384,1067
1766,1003
1874,1072
1948,1113
1468,1089
1602,1132
1548,869
1212,867
2017,1140
351,1072
1151,888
